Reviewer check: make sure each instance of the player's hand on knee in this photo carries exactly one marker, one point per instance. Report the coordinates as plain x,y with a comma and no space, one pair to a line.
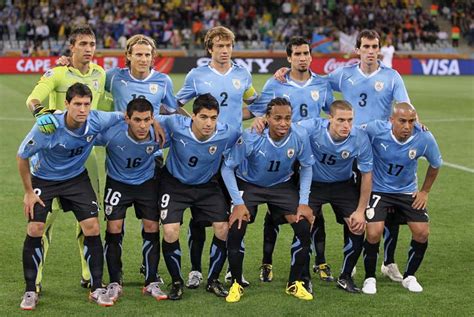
421,200
280,74
29,201
259,124
239,213
304,211
46,121
357,222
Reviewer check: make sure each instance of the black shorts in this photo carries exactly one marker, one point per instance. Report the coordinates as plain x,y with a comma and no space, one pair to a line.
381,203
282,199
342,196
74,194
119,196
207,201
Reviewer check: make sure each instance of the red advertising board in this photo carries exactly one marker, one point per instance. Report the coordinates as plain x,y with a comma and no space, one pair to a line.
34,65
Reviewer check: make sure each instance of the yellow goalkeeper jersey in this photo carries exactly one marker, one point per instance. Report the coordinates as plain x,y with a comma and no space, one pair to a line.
55,82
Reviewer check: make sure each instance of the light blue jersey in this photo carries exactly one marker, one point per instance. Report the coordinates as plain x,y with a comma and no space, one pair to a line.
395,163
128,161
334,160
157,88
307,99
371,96
62,155
230,89
192,161
261,161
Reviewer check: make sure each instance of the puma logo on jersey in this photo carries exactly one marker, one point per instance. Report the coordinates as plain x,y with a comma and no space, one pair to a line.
351,81
384,146
209,83
121,147
261,152
182,141
124,82
62,145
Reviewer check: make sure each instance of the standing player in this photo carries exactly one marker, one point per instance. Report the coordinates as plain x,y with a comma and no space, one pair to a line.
54,85
189,180
131,180
264,165
308,94
336,145
397,145
230,84
57,171
371,88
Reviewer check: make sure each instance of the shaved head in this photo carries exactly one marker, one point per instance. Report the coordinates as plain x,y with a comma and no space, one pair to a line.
402,107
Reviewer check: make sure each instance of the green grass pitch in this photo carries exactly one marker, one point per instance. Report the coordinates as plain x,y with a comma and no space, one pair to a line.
445,105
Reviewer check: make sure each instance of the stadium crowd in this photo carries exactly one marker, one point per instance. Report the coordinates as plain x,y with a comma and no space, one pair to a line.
44,25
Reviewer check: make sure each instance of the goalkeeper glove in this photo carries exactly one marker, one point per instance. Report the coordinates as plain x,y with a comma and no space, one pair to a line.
46,121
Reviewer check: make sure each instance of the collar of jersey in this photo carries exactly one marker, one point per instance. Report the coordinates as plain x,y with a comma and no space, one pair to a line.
282,144
330,138
371,75
398,142
152,71
232,66
76,71
295,83
191,133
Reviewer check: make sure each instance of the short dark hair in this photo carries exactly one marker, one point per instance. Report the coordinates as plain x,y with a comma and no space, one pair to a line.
296,41
278,101
339,105
206,101
78,89
139,105
80,30
368,34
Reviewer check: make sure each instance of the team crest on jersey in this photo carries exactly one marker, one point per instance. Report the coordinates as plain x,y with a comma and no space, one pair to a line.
48,73
378,85
163,214
412,154
290,153
315,95
345,154
153,88
370,213
89,138
108,209
212,149
149,149
95,84
236,83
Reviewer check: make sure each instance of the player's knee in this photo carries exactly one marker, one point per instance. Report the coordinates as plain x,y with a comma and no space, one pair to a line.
374,232
35,229
114,226
151,226
171,232
90,227
421,235
221,230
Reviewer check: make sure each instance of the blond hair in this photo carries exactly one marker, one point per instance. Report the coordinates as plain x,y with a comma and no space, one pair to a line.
221,32
139,39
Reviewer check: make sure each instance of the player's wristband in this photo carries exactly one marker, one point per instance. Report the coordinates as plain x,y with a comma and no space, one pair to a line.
37,110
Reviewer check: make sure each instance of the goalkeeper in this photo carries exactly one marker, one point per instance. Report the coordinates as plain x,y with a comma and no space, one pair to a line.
54,83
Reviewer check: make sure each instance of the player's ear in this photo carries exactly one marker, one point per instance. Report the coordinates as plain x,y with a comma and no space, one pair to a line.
288,58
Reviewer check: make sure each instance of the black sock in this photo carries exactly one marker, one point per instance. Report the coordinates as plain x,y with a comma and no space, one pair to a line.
371,253
196,239
94,255
217,258
390,238
32,258
235,250
113,255
270,234
352,250
151,255
299,249
415,256
318,239
172,256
